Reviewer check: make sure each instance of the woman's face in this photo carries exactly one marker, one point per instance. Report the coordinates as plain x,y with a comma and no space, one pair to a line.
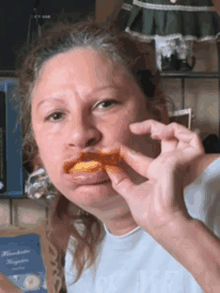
84,102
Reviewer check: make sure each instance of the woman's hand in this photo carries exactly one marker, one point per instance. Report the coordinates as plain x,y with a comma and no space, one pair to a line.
157,202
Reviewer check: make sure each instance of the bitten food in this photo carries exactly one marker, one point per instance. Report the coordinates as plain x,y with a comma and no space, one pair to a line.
92,162
92,166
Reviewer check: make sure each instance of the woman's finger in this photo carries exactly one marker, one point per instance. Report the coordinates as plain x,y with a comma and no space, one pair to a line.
135,160
156,128
124,186
173,130
184,136
147,126
120,181
138,161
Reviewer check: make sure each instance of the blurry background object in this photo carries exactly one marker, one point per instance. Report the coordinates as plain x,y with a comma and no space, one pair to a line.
36,21
212,144
217,5
11,177
15,18
174,26
183,117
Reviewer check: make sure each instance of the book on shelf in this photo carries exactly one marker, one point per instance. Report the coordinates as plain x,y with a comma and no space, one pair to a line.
2,143
11,165
22,264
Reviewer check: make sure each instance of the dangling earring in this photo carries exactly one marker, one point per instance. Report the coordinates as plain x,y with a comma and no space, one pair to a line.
39,185
81,212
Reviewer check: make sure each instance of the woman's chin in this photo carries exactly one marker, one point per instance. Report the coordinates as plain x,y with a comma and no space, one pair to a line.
90,194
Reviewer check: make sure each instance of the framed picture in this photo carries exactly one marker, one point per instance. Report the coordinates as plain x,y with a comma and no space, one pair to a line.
183,117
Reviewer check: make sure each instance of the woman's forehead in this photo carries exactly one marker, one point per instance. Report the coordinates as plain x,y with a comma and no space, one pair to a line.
85,68
82,60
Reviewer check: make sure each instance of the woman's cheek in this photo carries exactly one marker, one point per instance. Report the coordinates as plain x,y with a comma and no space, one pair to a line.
50,149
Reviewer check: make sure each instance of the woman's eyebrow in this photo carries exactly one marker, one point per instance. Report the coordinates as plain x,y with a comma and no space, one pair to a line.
88,95
98,89
52,98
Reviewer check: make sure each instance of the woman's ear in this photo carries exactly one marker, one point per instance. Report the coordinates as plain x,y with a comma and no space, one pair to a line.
37,163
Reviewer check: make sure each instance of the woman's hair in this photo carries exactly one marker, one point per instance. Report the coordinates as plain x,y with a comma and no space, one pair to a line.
138,62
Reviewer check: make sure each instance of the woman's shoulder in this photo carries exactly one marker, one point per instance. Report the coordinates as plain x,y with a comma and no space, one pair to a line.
200,166
205,162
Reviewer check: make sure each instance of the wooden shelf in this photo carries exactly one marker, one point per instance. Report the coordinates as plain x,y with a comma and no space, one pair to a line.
7,73
11,73
189,75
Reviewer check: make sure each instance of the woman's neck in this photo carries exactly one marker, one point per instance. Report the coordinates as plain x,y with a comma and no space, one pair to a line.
121,226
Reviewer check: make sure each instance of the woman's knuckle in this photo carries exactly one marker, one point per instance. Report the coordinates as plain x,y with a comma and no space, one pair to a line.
197,135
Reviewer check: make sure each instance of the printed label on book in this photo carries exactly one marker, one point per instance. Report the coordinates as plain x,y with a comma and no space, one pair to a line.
22,263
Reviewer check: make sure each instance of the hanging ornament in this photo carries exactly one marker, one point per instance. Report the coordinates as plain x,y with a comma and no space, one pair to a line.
174,25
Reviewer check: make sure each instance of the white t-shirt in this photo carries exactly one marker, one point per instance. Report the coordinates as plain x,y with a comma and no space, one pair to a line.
136,263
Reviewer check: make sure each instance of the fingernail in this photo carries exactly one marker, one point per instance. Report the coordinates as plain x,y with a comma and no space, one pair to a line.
111,169
132,153
155,137
106,150
134,126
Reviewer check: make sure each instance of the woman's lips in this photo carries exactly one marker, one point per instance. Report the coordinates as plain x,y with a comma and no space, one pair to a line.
112,159
83,178
85,175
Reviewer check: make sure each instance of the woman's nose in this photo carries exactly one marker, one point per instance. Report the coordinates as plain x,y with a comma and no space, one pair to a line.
83,134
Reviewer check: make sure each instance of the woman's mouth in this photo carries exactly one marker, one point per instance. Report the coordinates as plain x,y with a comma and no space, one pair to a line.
82,178
100,183
89,168
92,162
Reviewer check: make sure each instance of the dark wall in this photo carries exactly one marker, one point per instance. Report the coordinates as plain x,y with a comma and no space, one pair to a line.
14,19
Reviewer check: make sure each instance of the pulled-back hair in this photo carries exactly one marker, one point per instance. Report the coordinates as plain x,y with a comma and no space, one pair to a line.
138,62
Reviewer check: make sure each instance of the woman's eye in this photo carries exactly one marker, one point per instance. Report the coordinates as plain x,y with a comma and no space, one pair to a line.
108,103
55,116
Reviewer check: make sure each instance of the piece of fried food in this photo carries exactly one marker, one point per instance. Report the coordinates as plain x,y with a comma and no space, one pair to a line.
92,162
92,166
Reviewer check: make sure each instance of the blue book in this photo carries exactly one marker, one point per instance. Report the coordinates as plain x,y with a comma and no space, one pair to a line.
11,173
2,143
21,262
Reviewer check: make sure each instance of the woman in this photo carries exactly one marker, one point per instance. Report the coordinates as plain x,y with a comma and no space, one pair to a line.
82,89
